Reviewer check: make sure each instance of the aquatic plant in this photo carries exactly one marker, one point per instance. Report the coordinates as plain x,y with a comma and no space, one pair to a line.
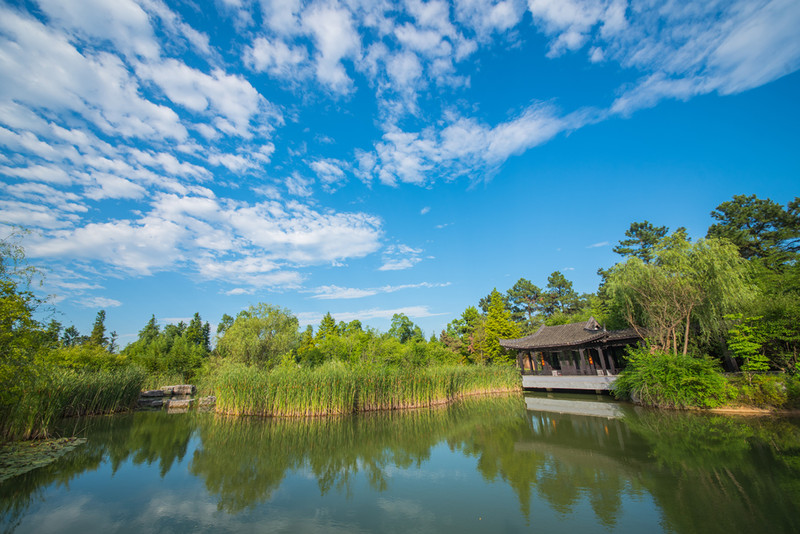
56,393
338,388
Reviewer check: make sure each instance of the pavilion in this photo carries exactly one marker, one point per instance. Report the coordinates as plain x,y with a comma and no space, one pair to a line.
574,349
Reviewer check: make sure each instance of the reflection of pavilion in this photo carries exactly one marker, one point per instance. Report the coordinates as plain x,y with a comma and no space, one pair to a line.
596,409
581,356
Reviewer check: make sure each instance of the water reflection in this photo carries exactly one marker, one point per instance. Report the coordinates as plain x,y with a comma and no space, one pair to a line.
569,462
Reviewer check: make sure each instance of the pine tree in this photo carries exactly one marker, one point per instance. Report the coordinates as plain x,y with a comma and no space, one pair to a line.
98,335
498,326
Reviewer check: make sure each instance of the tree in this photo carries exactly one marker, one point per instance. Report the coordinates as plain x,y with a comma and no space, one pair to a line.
560,297
745,340
484,302
261,334
198,333
224,323
71,337
327,328
20,334
760,229
499,326
98,335
524,301
404,329
150,331
685,285
641,238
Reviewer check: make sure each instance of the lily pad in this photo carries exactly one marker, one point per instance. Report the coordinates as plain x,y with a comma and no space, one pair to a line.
20,457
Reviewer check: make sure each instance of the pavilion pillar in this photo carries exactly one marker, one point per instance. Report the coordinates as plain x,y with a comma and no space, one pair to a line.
584,364
602,359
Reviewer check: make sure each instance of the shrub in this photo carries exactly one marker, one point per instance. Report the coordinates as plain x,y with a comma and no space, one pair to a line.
666,380
764,391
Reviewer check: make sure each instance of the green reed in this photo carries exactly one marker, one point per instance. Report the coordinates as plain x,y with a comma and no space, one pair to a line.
55,393
336,388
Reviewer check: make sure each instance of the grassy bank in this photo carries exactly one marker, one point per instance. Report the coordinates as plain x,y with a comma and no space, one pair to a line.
54,393
336,388
665,380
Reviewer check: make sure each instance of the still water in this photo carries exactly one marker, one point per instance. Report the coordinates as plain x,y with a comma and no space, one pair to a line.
539,463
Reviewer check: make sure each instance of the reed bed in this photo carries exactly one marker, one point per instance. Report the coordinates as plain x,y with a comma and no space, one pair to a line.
336,388
57,393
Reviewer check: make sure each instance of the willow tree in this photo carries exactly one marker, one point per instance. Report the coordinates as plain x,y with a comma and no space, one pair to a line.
261,334
687,287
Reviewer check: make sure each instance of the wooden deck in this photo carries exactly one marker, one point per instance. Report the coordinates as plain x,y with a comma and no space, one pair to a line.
575,382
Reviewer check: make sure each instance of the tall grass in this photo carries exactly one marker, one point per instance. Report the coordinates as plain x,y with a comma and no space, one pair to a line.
56,393
336,388
666,380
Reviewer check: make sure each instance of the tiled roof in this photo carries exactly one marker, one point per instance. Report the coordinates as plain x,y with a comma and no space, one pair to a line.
568,335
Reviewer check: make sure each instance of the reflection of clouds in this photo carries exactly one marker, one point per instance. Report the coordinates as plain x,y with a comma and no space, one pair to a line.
404,507
166,511
78,515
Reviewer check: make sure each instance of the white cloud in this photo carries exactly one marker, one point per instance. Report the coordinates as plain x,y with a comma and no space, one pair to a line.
336,292
123,22
230,96
99,302
571,21
277,58
598,245
329,171
467,147
400,257
425,210
299,186
336,39
98,87
39,173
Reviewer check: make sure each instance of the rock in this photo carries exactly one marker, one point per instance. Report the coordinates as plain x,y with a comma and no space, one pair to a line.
179,406
151,403
182,389
152,393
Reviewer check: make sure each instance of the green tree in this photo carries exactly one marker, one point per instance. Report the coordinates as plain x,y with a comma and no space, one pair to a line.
641,238
745,339
686,285
71,337
262,335
98,336
499,326
327,328
20,334
560,296
198,332
224,324
760,229
524,301
404,329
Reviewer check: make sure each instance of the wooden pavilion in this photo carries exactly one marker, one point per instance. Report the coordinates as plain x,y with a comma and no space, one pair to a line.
585,348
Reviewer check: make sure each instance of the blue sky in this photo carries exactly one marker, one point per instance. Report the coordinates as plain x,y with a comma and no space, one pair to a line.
375,157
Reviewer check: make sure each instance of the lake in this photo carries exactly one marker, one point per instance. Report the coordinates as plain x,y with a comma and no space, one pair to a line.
539,462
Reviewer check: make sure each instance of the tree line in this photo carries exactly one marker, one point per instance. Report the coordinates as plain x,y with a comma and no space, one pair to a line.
734,295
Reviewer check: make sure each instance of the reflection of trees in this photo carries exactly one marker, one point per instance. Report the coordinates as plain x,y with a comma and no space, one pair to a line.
141,437
243,460
565,459
727,474
706,473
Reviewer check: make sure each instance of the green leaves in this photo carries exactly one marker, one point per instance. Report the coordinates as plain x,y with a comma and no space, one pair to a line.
760,229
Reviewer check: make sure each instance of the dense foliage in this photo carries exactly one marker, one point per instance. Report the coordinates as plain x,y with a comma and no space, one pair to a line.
669,380
340,388
733,297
